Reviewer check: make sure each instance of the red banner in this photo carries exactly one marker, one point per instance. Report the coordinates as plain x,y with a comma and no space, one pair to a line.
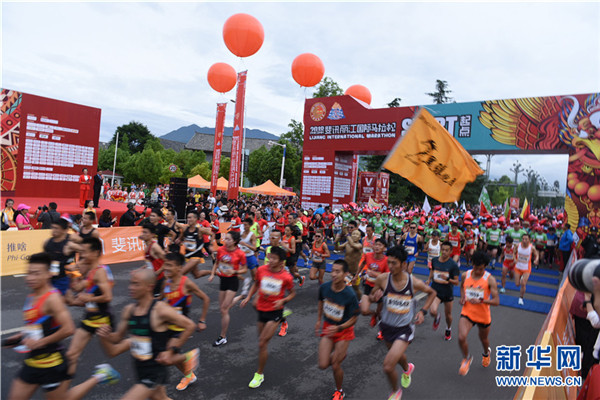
367,186
354,176
216,162
383,188
514,203
238,137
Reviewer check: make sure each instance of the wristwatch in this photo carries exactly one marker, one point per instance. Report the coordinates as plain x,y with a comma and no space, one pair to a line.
175,349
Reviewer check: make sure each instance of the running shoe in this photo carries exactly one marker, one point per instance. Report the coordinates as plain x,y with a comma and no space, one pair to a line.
338,395
220,341
436,321
257,380
502,290
465,365
485,361
397,395
521,302
283,330
185,382
379,336
448,334
191,361
287,312
373,320
406,376
105,373
301,280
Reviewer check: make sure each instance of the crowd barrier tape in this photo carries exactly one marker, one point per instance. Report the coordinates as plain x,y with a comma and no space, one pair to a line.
558,330
119,244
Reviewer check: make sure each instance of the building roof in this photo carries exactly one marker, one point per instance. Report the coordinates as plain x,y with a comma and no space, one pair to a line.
172,144
109,173
206,143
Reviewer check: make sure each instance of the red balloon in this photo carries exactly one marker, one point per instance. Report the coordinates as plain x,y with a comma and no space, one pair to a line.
360,92
243,34
222,77
307,70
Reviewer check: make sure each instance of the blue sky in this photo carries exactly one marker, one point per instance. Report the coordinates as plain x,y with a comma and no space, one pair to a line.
148,61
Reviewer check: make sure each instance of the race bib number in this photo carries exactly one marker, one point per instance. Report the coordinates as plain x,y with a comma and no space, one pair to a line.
441,277
141,348
469,241
91,306
410,250
367,250
398,303
454,243
509,256
522,258
226,269
474,293
270,286
149,265
494,237
55,267
34,332
333,311
317,257
434,252
190,244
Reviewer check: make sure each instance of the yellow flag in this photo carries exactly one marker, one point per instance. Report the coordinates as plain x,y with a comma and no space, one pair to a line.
373,204
432,159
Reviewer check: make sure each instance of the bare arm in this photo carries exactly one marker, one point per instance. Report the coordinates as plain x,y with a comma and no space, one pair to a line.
55,307
495,300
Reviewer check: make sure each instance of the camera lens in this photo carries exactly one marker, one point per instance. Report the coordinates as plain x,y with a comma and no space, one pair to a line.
581,273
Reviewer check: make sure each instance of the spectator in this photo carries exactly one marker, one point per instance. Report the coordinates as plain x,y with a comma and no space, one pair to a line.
591,248
97,188
8,214
22,218
130,217
106,220
564,245
48,216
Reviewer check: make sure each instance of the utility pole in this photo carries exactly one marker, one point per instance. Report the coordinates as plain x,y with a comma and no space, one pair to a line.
488,166
517,169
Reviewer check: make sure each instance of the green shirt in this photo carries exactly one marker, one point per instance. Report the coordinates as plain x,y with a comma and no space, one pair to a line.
516,235
492,236
378,225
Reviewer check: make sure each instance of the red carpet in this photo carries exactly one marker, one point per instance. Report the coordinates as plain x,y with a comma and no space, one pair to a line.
71,206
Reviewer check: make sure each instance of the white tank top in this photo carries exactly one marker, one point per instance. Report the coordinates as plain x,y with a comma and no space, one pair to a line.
247,251
433,251
524,257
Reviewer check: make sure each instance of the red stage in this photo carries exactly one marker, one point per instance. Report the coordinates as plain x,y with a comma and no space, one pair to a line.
71,206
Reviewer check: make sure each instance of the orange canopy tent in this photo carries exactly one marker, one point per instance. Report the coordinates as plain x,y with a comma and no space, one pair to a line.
268,188
201,183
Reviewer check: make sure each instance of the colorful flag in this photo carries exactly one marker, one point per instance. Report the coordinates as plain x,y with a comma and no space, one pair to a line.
216,162
463,206
431,158
485,205
426,207
238,138
506,210
525,211
372,204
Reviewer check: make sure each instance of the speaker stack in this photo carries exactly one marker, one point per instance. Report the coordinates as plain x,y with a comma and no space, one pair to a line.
178,196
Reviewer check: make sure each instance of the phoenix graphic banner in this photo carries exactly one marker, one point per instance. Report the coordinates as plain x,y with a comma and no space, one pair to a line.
216,162
238,138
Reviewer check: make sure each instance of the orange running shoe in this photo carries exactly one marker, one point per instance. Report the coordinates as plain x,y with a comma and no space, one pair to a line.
283,330
465,366
338,395
485,360
185,382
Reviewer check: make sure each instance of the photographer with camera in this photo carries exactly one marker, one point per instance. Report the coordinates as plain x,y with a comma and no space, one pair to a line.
584,275
48,216
131,216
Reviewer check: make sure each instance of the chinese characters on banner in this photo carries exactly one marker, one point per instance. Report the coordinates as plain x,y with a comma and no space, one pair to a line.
238,137
216,162
383,188
367,186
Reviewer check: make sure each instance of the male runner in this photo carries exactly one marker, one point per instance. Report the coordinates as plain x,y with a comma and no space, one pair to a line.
433,247
492,236
272,282
443,275
60,249
397,290
507,258
154,255
87,226
147,321
478,290
455,237
525,253
177,292
47,323
319,255
353,252
470,241
93,291
339,307
373,265
193,238
411,240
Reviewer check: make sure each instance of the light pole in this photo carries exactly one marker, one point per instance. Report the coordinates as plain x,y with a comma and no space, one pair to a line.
272,143
112,181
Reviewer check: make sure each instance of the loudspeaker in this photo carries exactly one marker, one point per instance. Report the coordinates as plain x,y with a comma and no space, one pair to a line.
178,196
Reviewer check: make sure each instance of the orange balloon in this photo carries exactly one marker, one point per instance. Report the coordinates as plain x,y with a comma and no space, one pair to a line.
243,34
222,77
360,92
307,70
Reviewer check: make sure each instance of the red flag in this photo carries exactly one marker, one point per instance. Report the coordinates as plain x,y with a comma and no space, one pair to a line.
238,138
216,162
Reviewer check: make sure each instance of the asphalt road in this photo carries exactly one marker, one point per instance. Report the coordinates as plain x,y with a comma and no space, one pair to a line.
292,371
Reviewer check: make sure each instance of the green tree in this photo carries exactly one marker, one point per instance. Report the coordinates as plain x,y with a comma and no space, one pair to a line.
137,136
166,174
149,166
255,161
440,96
224,167
328,88
203,169
187,159
295,136
395,102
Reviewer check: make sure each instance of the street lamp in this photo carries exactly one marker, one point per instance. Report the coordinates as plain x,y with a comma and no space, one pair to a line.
272,143
112,181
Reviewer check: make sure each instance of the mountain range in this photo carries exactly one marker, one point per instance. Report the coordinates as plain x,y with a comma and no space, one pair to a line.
185,133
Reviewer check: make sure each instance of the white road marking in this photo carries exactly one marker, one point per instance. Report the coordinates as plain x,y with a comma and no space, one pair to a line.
11,331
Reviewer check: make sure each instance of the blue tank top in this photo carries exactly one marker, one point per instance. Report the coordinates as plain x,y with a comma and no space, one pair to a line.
410,245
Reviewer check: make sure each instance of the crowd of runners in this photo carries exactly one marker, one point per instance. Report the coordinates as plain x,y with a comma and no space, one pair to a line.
372,277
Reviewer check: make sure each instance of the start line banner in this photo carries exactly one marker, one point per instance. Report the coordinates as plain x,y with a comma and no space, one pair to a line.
119,245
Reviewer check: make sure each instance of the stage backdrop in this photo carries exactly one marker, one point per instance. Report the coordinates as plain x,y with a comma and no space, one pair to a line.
343,126
45,145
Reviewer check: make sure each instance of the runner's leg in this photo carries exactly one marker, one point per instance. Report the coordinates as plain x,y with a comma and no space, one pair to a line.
395,356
